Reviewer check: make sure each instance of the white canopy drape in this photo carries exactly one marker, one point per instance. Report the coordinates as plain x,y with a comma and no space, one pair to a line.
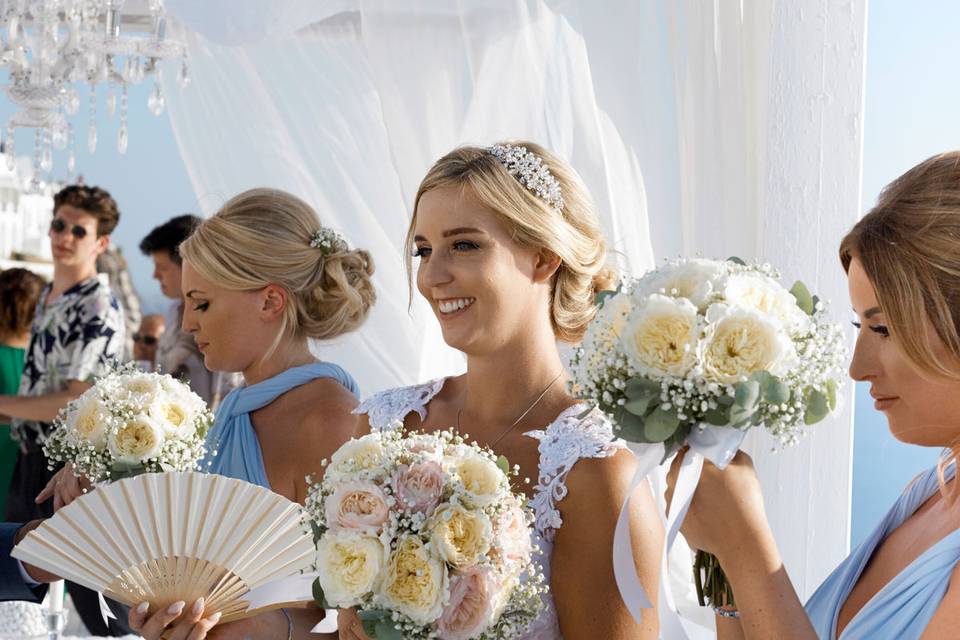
737,126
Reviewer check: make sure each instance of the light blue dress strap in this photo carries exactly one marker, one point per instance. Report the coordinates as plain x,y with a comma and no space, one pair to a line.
232,445
902,609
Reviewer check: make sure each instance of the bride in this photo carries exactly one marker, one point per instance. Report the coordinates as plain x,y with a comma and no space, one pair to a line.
510,259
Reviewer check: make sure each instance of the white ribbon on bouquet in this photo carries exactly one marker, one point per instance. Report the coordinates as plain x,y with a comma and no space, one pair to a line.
706,442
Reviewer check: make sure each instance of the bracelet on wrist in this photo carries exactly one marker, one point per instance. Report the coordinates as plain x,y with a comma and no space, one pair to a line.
726,613
286,614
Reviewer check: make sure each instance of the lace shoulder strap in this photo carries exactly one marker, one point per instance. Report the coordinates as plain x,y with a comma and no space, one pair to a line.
565,441
387,409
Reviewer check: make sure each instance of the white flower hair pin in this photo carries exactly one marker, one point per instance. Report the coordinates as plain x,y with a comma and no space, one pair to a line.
328,241
529,169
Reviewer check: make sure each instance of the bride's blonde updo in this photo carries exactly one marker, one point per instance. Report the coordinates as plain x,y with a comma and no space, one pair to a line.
573,233
262,237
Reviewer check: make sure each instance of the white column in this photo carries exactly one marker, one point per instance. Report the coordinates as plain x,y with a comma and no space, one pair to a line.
811,199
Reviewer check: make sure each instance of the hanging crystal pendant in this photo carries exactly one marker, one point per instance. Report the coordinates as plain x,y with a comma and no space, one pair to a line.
46,153
184,78
111,102
72,156
156,103
92,137
10,150
122,139
59,136
71,101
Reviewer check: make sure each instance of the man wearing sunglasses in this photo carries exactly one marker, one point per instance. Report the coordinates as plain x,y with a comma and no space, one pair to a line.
146,338
78,329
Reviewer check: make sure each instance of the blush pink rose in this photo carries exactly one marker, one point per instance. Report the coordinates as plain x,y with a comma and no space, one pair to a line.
512,534
470,609
418,487
358,506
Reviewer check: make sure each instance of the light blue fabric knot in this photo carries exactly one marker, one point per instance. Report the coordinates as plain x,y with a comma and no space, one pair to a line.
902,609
232,437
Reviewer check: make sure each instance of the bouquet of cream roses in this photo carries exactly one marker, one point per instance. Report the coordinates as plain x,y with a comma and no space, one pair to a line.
423,535
698,351
130,422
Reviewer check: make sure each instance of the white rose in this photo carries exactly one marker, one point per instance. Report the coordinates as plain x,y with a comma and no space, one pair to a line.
739,342
661,336
140,390
483,481
137,440
87,418
358,454
173,415
695,279
760,292
414,582
349,565
460,536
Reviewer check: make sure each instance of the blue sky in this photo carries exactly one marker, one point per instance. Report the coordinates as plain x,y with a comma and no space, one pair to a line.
910,114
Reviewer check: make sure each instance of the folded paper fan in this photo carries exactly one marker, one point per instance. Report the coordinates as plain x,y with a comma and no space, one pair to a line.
164,537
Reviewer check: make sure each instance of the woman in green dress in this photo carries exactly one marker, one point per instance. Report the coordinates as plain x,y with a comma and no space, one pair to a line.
19,292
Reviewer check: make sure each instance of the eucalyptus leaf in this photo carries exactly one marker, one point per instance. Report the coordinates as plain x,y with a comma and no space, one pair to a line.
371,619
718,417
503,464
631,427
638,407
319,596
586,412
660,425
736,260
803,297
602,296
385,630
642,388
741,418
818,406
747,395
776,392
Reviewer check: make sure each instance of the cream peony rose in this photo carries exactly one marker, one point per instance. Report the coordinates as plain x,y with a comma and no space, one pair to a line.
414,582
695,279
139,439
359,454
173,414
482,478
661,336
418,487
360,506
87,417
349,565
140,390
512,534
470,610
760,292
461,537
739,342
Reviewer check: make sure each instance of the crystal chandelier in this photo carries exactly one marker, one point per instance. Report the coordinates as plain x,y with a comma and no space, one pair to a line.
53,45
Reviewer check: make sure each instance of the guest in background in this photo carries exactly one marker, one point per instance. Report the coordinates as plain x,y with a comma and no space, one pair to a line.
77,331
177,352
19,293
145,340
20,581
112,264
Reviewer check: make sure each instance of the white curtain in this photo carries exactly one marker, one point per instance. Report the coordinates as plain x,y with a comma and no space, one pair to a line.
737,125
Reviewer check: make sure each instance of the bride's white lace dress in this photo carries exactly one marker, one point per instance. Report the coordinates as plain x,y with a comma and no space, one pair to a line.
562,443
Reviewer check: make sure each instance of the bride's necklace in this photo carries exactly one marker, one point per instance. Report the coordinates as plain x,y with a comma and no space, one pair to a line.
522,415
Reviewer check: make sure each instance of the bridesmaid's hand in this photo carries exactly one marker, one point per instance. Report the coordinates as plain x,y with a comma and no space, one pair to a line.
173,622
65,487
726,515
349,625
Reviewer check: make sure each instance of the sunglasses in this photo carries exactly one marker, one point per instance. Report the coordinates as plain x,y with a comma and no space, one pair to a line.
57,225
147,340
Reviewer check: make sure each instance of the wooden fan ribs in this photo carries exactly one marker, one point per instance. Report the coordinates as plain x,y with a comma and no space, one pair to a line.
174,536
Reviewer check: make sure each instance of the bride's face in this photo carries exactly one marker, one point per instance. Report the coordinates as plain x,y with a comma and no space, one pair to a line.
225,324
920,409
484,287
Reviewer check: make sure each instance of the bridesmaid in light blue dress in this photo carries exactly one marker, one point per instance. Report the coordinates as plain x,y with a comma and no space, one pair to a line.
903,267
259,278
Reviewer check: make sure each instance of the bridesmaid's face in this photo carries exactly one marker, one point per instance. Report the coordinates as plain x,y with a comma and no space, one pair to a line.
483,286
231,328
919,408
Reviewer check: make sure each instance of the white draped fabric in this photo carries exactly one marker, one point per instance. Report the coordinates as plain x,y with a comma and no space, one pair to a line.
713,128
